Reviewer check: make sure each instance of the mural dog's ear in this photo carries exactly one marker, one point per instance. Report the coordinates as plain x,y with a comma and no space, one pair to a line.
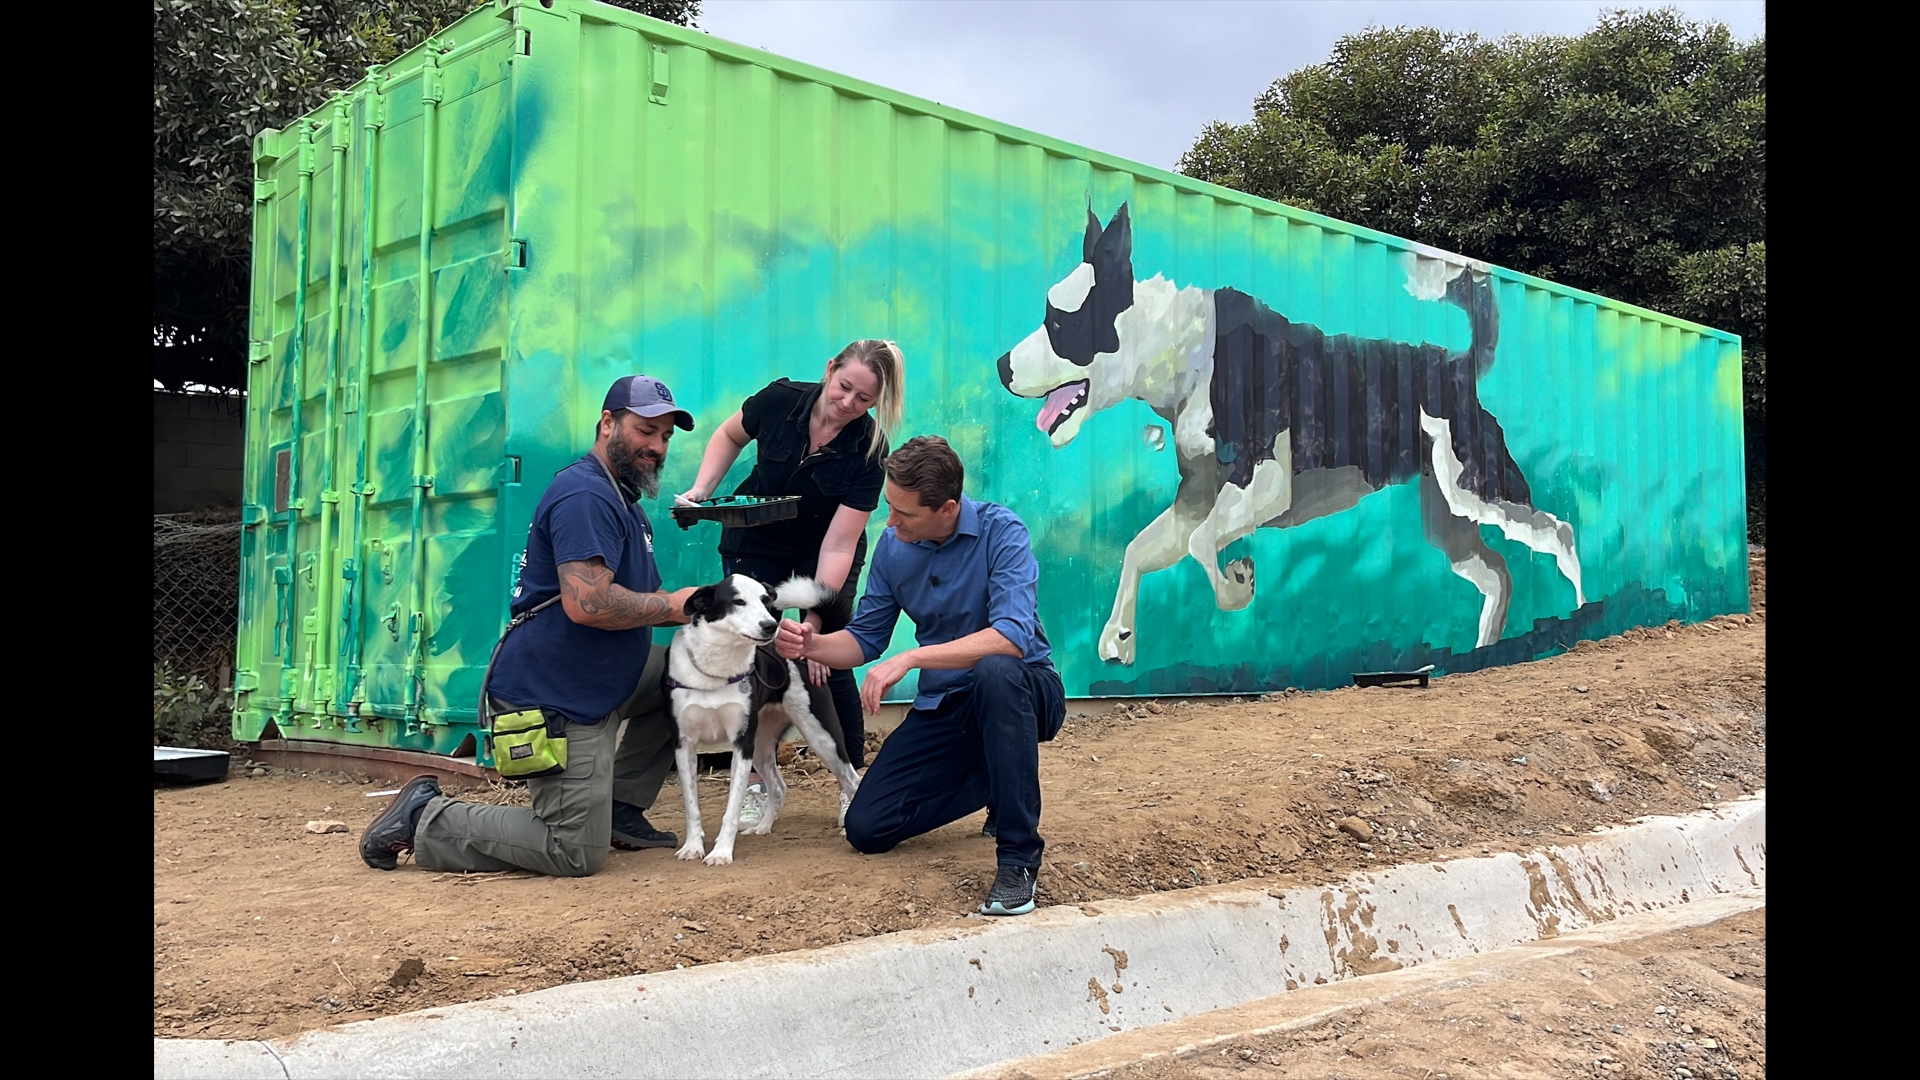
1082,308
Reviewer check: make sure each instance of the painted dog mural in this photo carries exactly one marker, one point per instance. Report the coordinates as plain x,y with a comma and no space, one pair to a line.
1276,422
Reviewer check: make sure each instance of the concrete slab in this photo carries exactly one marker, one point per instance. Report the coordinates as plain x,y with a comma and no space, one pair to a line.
933,1002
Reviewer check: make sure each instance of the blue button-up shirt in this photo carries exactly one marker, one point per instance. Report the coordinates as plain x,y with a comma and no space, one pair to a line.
983,575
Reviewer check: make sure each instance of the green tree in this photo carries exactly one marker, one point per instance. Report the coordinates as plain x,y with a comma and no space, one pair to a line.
1629,161
222,71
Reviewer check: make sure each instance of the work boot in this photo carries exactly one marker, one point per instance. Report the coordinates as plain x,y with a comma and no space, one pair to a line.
391,834
632,831
1012,892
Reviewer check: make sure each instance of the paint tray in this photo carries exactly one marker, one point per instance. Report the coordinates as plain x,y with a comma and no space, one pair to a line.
1393,678
181,765
739,511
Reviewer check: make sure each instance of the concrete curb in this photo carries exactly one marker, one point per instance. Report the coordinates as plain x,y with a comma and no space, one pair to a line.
930,1003
1315,1005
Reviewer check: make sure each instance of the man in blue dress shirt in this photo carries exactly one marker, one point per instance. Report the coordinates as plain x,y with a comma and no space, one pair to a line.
964,572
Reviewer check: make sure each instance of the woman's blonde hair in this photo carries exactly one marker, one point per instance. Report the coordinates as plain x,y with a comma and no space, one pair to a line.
888,365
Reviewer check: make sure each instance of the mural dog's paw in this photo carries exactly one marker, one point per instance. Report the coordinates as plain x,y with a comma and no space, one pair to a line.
1116,644
1236,585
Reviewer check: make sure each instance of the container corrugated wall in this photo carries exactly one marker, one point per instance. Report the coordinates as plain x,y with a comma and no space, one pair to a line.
610,194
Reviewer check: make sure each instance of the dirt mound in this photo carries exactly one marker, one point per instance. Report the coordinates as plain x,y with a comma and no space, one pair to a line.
263,929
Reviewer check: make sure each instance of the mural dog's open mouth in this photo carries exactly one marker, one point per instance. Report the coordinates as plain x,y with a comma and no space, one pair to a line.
1062,402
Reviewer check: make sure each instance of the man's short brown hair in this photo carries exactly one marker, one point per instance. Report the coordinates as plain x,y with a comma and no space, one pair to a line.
927,466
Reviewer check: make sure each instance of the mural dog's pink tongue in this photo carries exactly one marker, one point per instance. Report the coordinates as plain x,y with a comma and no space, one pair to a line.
1057,404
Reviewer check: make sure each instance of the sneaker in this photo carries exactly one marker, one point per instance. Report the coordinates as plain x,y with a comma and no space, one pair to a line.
1012,892
990,828
391,834
753,807
632,831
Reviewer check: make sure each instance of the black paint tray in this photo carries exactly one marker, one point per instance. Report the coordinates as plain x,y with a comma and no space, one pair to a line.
739,511
1393,678
185,766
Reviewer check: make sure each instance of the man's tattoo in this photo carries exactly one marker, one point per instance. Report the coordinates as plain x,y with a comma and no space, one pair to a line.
590,587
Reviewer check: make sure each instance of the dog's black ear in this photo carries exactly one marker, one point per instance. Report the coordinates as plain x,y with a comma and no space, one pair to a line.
772,592
699,603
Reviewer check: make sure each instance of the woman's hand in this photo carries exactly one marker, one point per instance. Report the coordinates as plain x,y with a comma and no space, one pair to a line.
816,671
690,497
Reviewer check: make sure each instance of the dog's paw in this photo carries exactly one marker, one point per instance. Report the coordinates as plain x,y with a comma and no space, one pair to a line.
691,852
1116,643
1236,585
720,858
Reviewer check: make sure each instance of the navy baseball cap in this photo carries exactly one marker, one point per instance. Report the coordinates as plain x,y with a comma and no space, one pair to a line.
646,396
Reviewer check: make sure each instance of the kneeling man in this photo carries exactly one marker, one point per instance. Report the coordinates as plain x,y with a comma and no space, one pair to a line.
964,572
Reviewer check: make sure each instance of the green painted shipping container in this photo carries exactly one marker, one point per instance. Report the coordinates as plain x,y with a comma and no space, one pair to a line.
1255,447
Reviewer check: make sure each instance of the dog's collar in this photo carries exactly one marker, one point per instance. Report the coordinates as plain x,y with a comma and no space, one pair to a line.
675,684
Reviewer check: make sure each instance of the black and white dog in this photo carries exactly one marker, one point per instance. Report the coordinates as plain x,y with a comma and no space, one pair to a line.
726,685
1276,422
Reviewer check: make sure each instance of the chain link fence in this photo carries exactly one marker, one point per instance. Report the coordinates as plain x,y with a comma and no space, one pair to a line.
196,592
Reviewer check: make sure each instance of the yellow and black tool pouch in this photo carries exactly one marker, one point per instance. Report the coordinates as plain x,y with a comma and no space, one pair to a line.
529,742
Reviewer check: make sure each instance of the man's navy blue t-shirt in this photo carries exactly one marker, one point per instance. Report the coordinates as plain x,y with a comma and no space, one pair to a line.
552,662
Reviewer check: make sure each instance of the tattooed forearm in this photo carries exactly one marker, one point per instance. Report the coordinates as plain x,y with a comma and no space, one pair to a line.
592,599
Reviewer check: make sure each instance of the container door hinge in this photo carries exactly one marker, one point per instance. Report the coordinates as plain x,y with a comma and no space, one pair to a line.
329,496
423,480
263,190
510,469
516,254
259,351
430,92
376,107
522,41
341,133
251,515
362,489
657,93
352,403
246,680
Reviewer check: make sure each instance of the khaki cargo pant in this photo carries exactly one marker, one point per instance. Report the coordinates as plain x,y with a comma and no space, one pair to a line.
570,828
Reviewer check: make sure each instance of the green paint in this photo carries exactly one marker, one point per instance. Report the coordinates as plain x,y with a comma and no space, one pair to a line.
747,226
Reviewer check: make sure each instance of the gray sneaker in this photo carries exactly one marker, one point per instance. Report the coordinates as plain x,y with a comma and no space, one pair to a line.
1012,892
753,807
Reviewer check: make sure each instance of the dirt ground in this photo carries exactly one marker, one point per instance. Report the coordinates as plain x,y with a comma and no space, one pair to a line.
1689,1003
262,929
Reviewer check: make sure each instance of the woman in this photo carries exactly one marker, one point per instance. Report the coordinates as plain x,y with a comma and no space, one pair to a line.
824,442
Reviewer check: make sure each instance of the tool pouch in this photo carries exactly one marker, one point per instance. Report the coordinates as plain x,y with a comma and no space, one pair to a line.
529,743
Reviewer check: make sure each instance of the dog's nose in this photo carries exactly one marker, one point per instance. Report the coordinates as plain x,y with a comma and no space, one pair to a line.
1006,370
767,628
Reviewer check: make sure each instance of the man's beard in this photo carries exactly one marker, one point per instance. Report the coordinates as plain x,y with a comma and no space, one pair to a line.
640,474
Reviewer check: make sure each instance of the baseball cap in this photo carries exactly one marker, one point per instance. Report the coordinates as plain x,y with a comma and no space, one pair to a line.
646,396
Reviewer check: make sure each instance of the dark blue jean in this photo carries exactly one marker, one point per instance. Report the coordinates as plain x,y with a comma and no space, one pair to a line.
840,684
979,747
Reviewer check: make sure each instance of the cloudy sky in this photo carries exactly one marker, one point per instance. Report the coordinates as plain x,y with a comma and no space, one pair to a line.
1138,79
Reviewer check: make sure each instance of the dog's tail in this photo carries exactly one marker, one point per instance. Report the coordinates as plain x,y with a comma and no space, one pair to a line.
809,594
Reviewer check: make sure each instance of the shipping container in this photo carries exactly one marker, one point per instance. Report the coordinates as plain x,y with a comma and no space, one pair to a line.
1255,447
